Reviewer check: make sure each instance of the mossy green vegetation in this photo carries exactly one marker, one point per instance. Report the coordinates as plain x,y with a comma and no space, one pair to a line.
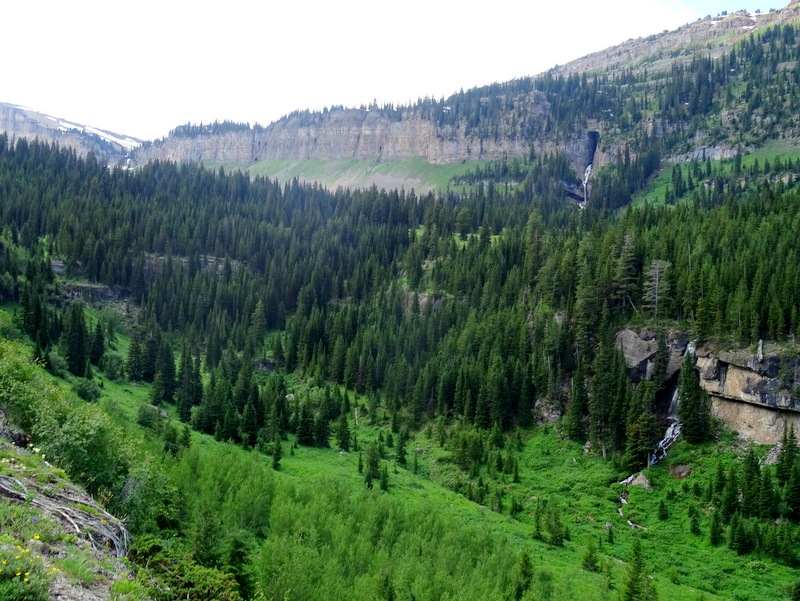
412,173
290,391
313,528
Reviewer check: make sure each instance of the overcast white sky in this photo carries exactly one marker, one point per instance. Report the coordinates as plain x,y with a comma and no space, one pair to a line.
142,67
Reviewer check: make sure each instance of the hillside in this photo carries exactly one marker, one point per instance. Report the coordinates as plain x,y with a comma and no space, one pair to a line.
209,329
527,385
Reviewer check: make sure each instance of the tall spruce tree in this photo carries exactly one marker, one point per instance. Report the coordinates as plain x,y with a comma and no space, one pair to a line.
343,430
76,339
98,345
694,406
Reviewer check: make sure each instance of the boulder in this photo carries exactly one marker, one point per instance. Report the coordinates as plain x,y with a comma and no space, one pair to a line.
638,350
680,471
641,480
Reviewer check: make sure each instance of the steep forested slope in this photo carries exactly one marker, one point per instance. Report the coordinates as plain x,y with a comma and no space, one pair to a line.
438,332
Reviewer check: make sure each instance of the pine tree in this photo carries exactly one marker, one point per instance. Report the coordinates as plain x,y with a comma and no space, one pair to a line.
694,406
98,345
157,390
384,477
787,456
589,560
525,575
767,503
166,367
249,426
343,431
188,387
638,587
321,431
76,339
730,496
277,453
792,493
402,453
556,532
372,467
751,483
715,529
134,363
305,427
573,421
656,287
643,430
663,514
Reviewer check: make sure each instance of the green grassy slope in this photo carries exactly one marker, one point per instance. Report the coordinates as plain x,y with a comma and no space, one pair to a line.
322,532
414,173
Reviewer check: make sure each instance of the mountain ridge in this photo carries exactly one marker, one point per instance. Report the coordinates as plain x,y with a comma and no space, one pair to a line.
618,89
21,121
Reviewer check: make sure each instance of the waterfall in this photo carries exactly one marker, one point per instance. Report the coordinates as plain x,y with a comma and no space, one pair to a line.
673,430
586,175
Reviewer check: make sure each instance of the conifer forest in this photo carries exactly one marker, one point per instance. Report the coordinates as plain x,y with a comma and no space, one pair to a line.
286,392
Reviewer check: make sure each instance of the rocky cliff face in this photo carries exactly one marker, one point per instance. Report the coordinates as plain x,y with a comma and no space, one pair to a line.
372,135
757,394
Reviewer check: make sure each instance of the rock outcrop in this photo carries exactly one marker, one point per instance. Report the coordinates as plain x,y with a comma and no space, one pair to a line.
640,350
756,394
376,135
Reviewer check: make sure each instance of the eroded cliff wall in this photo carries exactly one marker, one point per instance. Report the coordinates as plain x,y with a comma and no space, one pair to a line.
755,393
374,135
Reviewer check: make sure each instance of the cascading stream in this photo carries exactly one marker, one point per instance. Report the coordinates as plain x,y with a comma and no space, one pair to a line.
673,430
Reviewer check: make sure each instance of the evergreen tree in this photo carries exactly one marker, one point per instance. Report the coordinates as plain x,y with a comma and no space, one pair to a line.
589,560
556,532
277,453
157,391
372,467
76,339
751,484
715,530
643,430
98,345
134,363
402,440
656,287
525,575
767,501
787,456
165,366
249,426
321,431
638,587
573,421
384,477
694,406
792,493
305,427
730,496
343,431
